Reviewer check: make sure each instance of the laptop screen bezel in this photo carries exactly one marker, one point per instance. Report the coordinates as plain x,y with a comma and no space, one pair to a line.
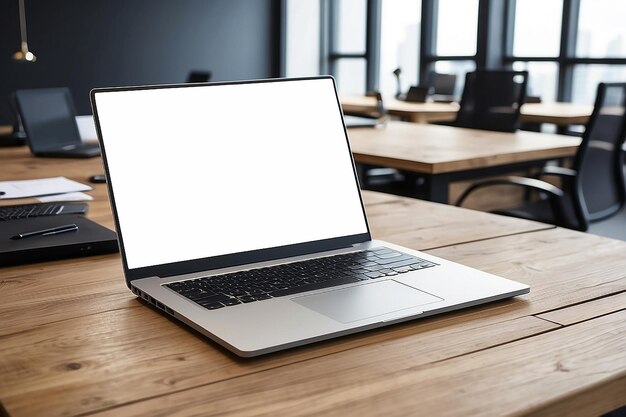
233,259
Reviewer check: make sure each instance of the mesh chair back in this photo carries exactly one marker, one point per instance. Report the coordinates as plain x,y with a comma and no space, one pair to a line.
492,99
599,160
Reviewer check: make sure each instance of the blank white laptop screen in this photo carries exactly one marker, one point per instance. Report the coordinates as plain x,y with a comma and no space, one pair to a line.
211,170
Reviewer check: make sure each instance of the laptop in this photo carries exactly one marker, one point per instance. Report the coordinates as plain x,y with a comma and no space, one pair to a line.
358,121
417,94
275,251
49,120
47,238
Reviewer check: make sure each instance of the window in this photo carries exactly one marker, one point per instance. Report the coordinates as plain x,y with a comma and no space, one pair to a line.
542,79
602,29
348,44
568,69
457,28
399,44
587,77
352,15
537,30
350,76
302,43
369,39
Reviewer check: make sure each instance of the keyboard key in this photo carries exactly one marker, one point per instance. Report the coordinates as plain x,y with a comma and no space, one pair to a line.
382,251
212,306
405,262
217,298
396,259
199,295
310,287
390,255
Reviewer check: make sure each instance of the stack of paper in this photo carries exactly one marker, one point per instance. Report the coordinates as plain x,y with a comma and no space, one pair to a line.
45,189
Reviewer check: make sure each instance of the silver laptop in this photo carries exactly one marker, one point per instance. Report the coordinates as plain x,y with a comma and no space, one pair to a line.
238,212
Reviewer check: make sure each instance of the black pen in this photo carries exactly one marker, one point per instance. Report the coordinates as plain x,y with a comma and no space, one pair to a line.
47,232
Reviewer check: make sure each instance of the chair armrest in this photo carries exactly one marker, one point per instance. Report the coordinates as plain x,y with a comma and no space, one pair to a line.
555,193
559,171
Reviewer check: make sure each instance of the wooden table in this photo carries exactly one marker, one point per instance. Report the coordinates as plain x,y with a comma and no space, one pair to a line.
443,154
412,112
75,341
6,129
561,114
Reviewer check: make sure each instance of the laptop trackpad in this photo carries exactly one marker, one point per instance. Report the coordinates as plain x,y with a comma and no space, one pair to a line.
364,301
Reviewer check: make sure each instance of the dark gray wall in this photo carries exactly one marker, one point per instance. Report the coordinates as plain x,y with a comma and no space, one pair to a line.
92,43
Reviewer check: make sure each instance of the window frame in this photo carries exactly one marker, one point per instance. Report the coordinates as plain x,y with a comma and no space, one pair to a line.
566,60
494,17
329,43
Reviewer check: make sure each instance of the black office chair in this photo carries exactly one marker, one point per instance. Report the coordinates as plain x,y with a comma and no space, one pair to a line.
531,126
595,188
491,100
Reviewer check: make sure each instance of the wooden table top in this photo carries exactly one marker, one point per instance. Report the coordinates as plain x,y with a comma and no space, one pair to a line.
415,112
556,113
75,341
434,149
6,129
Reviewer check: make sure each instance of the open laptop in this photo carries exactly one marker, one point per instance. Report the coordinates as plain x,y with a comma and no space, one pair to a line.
275,250
49,120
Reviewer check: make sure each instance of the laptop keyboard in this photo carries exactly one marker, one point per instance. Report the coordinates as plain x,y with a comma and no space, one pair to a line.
297,277
23,211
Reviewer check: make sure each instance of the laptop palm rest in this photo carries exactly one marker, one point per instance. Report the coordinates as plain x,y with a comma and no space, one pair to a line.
366,301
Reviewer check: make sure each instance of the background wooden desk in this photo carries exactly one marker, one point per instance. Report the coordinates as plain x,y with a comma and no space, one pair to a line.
561,114
413,112
443,154
75,341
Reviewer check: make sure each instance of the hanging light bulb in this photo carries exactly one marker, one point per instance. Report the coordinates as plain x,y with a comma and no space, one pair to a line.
23,55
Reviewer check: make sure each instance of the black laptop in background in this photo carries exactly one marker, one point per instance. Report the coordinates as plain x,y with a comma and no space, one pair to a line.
49,120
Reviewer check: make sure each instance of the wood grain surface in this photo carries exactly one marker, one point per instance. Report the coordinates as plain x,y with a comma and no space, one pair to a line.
75,340
433,149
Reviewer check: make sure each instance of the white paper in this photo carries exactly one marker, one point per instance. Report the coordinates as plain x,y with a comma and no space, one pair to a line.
43,186
77,196
86,128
